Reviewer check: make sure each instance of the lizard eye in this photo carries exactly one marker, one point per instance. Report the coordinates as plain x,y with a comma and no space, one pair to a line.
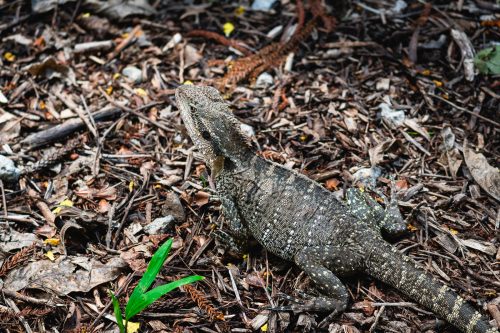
205,135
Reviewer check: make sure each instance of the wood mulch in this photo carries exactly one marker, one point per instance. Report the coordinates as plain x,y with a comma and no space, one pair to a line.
100,156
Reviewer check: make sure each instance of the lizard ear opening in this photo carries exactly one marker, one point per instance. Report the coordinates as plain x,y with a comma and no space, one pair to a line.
205,135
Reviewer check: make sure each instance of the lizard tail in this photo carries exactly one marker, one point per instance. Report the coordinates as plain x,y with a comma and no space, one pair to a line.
392,267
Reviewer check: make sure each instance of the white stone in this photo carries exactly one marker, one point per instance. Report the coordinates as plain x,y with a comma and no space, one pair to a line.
133,73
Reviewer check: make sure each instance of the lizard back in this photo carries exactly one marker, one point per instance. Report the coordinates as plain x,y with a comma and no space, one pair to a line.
283,209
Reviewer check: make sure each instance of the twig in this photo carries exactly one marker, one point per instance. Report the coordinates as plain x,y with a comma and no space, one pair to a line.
384,304
50,160
377,317
4,202
466,111
23,321
110,225
43,207
63,130
25,298
124,218
124,43
415,143
412,53
93,46
137,114
235,289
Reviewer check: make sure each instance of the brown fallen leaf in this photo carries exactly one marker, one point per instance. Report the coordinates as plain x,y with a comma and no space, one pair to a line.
108,193
103,206
135,260
50,68
367,307
485,247
191,55
201,198
332,184
454,162
377,153
64,275
401,184
14,240
487,176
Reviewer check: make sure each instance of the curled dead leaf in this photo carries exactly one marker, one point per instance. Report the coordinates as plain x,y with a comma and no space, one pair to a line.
487,176
201,198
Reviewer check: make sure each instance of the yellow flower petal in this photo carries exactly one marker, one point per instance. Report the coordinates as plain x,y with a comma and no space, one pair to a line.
131,186
133,327
64,203
9,56
109,90
263,328
411,228
116,76
52,241
141,92
239,11
50,255
438,83
228,28
187,82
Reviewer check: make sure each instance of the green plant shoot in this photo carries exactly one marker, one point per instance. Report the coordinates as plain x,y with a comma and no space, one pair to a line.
140,297
118,312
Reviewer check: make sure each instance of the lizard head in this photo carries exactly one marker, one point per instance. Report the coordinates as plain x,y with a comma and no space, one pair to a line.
215,131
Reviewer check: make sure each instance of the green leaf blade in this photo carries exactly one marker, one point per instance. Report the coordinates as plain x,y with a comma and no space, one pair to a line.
153,269
144,300
118,312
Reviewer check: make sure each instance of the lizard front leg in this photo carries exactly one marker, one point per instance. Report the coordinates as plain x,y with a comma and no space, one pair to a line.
237,239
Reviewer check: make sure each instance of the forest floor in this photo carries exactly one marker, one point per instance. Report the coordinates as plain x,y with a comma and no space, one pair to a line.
97,170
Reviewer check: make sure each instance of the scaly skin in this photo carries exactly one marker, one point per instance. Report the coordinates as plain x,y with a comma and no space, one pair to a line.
298,220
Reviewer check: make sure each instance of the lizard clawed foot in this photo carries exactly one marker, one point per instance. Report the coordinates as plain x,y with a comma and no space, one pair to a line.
229,242
286,297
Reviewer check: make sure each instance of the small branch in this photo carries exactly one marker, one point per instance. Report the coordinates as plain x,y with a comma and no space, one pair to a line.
63,130
466,111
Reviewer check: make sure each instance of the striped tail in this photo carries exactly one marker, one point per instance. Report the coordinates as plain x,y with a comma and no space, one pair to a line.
390,266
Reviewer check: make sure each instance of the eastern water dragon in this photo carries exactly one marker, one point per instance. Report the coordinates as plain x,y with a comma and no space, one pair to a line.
299,220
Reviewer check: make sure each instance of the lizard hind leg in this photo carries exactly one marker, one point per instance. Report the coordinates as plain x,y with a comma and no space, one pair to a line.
315,262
